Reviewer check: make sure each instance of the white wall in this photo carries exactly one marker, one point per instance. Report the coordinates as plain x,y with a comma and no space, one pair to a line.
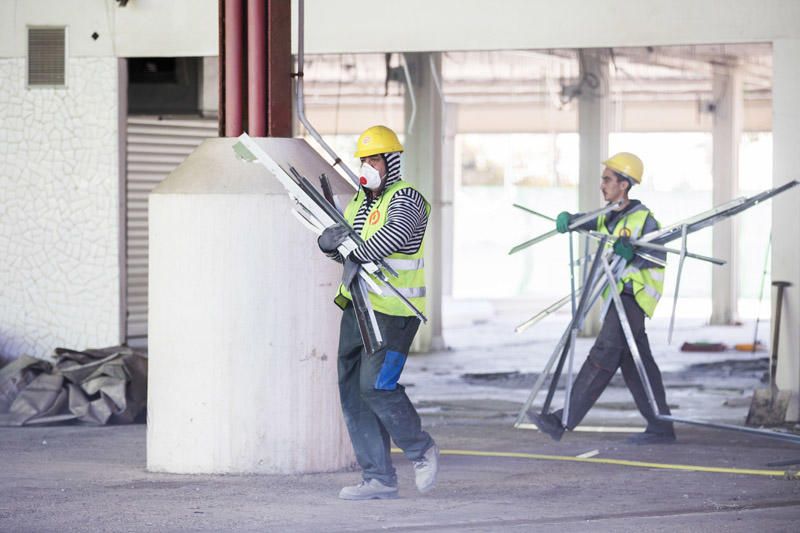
143,28
189,27
81,17
59,273
151,28
423,25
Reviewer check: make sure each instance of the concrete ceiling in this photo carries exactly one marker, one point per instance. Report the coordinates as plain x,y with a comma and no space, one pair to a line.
668,73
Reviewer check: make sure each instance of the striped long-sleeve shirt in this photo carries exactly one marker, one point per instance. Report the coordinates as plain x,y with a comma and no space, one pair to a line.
406,220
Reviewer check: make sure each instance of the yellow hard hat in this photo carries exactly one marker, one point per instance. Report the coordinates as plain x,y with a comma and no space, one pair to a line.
626,164
377,140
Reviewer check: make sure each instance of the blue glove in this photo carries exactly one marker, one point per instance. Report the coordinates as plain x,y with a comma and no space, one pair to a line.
624,248
562,221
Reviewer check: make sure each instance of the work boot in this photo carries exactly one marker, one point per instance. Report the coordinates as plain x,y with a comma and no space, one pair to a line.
649,437
368,489
549,424
426,468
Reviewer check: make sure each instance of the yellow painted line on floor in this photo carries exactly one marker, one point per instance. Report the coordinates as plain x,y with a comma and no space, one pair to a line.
622,462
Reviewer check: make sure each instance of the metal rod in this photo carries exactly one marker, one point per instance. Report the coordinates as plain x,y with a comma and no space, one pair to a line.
761,293
595,293
365,317
334,213
300,100
411,96
658,247
600,284
581,309
568,388
789,437
677,285
532,212
575,224
708,218
544,312
631,340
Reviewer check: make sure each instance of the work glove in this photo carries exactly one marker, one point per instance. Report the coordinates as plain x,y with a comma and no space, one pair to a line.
562,221
624,248
332,237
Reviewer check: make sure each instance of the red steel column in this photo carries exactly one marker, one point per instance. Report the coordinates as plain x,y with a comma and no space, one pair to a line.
279,65
233,68
256,68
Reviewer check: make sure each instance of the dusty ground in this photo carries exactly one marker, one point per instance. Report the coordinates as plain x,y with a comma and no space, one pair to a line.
72,478
94,479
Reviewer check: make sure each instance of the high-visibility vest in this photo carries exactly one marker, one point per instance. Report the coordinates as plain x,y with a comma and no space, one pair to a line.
410,268
647,283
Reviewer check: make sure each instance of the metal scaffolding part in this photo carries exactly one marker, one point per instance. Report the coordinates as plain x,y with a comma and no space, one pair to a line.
315,212
677,285
610,277
573,225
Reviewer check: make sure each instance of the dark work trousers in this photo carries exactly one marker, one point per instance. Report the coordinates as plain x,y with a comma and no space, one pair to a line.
375,406
610,351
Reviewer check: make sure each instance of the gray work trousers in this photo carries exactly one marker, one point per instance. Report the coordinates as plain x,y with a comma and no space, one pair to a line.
375,406
610,351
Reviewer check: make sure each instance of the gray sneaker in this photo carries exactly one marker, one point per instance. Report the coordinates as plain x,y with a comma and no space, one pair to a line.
368,490
426,468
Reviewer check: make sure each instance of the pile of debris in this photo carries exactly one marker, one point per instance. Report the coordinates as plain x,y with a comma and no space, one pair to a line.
94,386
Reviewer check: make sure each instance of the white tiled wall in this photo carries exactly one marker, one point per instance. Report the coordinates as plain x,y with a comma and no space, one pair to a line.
59,272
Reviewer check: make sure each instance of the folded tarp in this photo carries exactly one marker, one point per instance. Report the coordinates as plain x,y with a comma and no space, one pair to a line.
94,386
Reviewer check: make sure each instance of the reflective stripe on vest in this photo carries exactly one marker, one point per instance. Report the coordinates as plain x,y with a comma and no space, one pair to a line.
410,292
647,283
406,264
410,268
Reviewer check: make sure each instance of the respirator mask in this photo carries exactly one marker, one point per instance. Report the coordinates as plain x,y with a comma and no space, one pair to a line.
370,178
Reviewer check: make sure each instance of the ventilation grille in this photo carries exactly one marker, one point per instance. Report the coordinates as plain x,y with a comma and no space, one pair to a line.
46,57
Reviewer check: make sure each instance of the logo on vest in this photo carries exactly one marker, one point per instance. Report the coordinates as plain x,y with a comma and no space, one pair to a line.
625,232
374,217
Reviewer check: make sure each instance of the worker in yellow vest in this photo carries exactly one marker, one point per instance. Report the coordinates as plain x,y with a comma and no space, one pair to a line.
391,217
640,287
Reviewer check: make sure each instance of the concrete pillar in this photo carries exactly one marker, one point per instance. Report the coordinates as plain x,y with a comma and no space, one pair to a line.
423,167
448,195
727,133
243,334
785,222
594,112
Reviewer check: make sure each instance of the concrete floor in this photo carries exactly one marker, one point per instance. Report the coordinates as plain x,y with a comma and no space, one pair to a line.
72,478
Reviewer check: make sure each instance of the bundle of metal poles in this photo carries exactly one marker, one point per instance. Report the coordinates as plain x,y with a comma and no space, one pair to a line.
605,273
318,212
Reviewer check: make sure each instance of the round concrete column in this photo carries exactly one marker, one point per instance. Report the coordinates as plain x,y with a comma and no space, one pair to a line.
242,328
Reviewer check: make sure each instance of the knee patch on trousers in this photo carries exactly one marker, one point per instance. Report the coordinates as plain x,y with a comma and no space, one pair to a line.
390,372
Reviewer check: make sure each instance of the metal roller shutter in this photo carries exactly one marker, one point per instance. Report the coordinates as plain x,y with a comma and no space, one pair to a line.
155,147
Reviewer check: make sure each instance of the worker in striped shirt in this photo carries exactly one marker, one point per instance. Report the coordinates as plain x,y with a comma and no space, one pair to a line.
391,216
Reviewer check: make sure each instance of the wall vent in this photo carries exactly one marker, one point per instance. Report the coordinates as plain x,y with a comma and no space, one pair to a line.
46,57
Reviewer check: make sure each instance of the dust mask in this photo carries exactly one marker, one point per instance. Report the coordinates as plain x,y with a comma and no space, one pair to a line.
370,178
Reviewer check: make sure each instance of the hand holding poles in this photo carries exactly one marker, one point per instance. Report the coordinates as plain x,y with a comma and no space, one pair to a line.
624,248
332,237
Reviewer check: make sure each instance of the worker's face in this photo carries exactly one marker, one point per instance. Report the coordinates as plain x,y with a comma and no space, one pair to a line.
378,163
612,187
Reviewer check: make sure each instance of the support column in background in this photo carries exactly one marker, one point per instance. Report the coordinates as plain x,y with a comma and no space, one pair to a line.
727,135
594,112
423,167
